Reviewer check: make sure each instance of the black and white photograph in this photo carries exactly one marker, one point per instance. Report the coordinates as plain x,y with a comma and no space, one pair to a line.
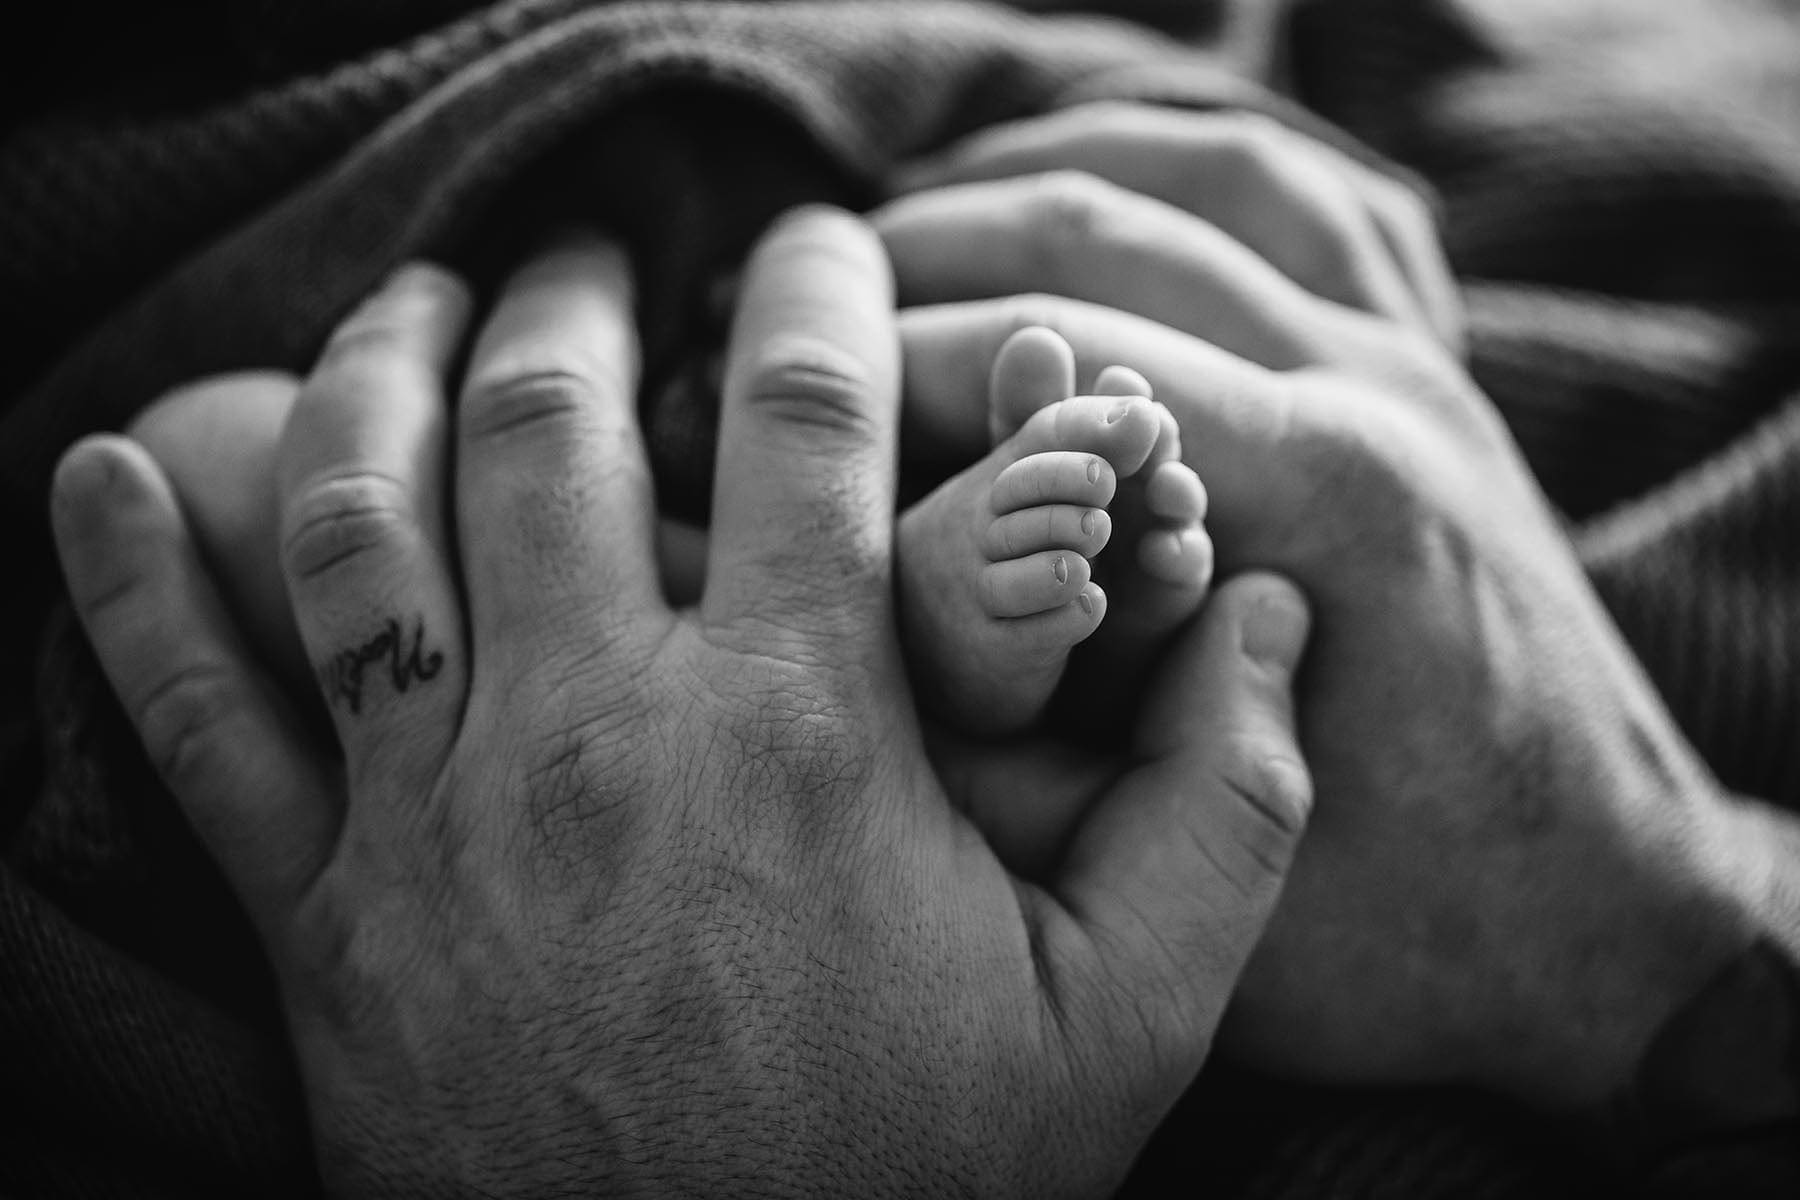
856,598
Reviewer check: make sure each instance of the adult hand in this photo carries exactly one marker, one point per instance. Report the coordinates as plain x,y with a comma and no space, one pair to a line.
609,897
1518,869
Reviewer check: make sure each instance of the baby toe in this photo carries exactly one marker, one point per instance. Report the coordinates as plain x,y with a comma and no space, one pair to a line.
1054,477
1174,493
1021,587
1075,527
1181,558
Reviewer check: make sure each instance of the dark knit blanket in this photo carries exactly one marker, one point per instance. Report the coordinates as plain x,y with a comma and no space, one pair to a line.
189,189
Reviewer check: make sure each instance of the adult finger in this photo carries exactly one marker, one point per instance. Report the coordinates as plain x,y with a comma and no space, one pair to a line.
364,547
227,749
218,440
1179,867
1336,226
803,504
554,502
1236,420
1071,234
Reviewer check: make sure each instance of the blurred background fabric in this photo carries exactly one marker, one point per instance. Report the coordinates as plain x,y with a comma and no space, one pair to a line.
197,188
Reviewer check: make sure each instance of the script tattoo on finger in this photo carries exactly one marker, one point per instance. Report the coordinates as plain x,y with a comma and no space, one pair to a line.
345,677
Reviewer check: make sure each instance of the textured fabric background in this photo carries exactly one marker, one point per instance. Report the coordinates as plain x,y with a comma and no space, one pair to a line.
194,188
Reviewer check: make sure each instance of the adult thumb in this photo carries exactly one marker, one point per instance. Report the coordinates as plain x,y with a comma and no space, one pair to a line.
1177,870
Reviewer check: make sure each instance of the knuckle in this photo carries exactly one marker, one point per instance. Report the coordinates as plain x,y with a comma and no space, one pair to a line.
1071,208
1099,119
1405,209
1276,791
1251,144
1263,160
183,722
1027,309
1347,445
344,518
815,384
525,402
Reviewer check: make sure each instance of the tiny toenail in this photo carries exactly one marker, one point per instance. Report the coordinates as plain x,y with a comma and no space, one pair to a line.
1093,470
1117,411
1087,603
1061,569
1087,522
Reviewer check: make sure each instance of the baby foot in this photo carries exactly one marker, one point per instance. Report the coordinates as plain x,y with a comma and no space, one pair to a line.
1163,582
1154,588
996,566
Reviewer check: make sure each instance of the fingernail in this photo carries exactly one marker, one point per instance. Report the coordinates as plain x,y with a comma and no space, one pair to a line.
1088,522
1061,569
1093,470
1118,411
1087,603
1275,628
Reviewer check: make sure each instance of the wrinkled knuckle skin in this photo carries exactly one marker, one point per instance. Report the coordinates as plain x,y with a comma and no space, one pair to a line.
1275,795
528,402
344,519
815,385
183,721
1071,208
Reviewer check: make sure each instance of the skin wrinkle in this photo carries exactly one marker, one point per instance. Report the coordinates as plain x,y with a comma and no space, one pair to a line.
344,515
516,402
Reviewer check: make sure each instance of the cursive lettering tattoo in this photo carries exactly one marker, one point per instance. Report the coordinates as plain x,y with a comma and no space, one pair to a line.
344,677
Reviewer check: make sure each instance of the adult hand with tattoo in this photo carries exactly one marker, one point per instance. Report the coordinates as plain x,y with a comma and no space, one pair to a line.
1519,871
604,897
